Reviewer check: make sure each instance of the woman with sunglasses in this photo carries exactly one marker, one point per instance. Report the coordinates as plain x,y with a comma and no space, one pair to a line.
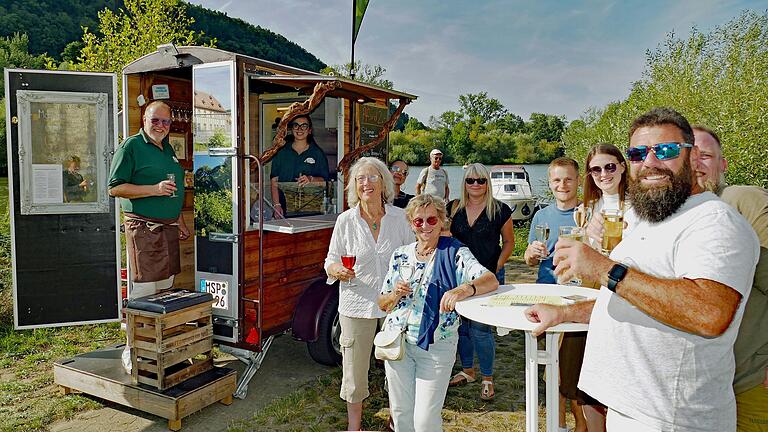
605,187
421,301
479,220
301,160
369,231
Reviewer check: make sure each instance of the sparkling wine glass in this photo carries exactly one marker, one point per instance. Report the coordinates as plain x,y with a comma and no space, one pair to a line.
406,272
348,261
172,177
542,234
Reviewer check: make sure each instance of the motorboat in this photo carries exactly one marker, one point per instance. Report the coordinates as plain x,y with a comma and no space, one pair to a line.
511,185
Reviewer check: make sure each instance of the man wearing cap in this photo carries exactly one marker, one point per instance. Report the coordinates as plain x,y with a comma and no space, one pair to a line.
434,179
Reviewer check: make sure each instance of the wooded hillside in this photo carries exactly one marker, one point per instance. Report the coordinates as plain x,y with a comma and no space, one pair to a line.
52,24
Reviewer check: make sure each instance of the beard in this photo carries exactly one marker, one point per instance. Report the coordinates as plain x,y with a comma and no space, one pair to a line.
657,203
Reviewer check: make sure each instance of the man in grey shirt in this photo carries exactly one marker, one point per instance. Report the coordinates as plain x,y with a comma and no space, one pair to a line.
434,179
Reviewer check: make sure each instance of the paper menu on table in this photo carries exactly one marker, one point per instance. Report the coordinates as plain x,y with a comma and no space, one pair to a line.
525,299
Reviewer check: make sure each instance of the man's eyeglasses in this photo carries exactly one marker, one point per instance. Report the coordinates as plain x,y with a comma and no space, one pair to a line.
597,170
419,222
662,151
437,157
300,126
471,181
371,178
156,121
397,169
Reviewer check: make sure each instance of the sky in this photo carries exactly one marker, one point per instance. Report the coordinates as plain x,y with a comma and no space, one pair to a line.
554,57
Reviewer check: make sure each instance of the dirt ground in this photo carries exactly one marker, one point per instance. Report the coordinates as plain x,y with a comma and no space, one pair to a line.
288,371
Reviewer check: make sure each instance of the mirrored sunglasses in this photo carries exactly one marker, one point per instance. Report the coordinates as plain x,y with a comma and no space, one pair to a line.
662,151
300,126
371,178
419,222
397,169
608,168
156,121
471,181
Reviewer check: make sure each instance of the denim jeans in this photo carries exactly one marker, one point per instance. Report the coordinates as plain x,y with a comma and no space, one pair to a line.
477,337
417,386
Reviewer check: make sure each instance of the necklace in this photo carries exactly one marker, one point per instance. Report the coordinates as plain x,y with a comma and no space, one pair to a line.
374,219
426,252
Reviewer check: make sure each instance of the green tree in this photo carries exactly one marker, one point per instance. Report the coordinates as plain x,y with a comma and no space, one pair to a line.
546,127
480,106
716,79
137,30
14,53
371,74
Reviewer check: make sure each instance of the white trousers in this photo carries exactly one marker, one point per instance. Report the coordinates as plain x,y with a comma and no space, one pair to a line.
618,422
417,385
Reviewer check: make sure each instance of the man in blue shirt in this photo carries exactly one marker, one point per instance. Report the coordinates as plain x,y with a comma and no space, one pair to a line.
563,175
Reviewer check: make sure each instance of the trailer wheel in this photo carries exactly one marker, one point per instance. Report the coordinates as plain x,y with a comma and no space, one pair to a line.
326,349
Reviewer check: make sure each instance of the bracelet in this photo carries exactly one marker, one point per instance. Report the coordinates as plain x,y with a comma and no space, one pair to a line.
277,205
474,290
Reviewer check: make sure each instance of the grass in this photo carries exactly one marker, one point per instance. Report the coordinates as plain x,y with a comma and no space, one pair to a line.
317,406
29,400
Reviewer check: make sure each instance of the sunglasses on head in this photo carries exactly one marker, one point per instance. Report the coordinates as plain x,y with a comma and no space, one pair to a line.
397,169
662,151
156,121
608,168
419,222
471,181
300,126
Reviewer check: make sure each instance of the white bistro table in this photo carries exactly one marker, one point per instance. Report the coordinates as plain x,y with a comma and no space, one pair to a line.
512,317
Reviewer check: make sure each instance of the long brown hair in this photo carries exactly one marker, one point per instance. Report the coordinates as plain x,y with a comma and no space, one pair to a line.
592,193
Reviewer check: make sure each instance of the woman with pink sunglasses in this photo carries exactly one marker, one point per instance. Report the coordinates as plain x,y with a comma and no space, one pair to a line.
424,281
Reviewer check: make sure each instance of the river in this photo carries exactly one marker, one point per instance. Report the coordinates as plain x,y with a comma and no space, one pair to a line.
537,173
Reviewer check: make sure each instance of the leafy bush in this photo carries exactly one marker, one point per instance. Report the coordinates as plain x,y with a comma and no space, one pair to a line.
717,79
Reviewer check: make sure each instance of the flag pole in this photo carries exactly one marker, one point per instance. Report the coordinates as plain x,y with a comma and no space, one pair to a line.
352,61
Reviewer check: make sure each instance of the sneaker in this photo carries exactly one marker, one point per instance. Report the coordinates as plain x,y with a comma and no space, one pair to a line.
126,360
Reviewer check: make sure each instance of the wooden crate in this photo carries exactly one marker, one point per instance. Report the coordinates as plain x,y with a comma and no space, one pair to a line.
101,374
169,348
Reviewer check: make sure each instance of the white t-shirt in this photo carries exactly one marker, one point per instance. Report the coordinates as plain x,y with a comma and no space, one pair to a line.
351,235
433,181
663,377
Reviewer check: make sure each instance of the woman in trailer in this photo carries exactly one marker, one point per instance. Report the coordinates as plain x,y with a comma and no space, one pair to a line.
424,281
301,160
478,220
364,238
75,186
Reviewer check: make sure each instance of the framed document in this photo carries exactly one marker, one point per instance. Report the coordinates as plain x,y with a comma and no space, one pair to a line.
179,143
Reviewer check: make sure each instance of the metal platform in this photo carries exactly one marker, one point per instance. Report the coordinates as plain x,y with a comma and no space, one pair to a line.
100,373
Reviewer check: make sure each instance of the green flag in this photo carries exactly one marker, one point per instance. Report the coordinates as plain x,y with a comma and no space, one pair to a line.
360,7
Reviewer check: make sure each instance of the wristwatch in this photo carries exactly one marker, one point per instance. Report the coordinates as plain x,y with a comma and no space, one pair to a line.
616,275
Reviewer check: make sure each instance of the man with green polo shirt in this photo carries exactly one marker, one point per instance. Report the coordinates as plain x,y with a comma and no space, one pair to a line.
151,204
139,177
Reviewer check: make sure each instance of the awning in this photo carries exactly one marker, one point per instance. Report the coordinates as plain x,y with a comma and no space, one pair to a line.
346,88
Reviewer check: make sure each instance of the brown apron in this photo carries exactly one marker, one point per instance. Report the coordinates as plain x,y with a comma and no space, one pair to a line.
152,247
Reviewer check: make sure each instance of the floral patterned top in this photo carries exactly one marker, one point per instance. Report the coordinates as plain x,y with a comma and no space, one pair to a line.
467,270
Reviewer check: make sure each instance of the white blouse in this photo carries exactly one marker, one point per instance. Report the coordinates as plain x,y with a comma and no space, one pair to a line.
352,236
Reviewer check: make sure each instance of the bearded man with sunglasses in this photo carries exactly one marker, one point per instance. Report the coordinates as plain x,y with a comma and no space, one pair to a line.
152,207
659,350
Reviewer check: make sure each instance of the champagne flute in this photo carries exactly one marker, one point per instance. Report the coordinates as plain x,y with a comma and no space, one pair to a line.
613,227
575,233
406,272
172,177
348,261
542,235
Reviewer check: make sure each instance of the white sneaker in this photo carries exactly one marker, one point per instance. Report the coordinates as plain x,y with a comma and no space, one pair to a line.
126,359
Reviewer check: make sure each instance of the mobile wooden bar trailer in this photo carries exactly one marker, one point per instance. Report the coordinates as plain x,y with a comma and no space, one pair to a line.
230,115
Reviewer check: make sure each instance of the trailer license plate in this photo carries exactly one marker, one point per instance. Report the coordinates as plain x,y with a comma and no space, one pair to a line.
218,290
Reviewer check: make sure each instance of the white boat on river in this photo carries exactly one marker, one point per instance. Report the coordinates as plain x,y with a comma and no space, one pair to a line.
512,185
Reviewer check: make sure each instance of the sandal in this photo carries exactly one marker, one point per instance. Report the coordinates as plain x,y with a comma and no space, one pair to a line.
486,390
460,379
